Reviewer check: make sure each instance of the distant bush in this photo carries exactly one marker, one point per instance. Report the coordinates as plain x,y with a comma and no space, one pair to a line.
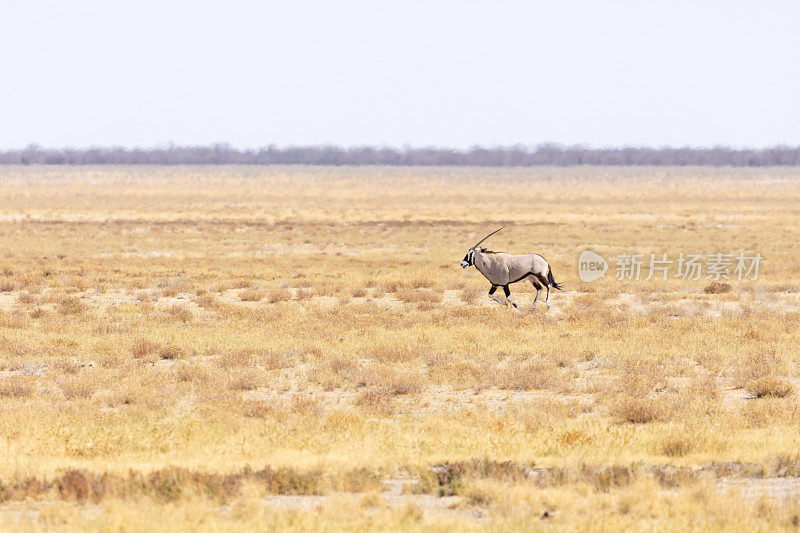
717,287
251,295
769,386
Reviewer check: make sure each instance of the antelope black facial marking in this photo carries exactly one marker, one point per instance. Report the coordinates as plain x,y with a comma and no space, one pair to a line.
468,259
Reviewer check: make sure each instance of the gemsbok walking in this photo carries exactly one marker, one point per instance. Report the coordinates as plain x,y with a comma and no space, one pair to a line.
502,269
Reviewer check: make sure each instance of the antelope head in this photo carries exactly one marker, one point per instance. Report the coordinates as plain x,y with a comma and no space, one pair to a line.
469,259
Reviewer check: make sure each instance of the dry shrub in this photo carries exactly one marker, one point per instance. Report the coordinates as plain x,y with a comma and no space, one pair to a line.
39,313
173,483
238,284
638,410
78,285
460,373
16,387
523,375
574,437
392,353
604,479
288,481
333,373
143,390
771,412
256,409
192,373
306,405
245,380
143,347
417,296
237,359
704,387
275,360
27,298
207,301
73,485
639,378
78,486
173,287
279,295
469,296
324,377
70,305
390,286
181,313
773,386
377,401
358,480
717,287
172,351
677,446
701,397
755,366
78,387
448,479
326,289
395,380
421,283
12,319
251,295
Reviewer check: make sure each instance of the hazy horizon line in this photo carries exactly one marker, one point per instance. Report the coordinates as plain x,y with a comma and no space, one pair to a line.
405,146
498,156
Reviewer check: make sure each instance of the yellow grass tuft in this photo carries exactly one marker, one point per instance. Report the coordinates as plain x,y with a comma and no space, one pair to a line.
279,295
251,295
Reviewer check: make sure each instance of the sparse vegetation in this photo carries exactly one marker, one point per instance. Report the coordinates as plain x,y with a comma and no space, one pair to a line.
154,343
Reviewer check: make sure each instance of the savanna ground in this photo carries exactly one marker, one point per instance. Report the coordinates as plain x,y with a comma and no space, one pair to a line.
263,347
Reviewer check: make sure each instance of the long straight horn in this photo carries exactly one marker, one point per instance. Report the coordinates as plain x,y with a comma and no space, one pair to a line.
480,241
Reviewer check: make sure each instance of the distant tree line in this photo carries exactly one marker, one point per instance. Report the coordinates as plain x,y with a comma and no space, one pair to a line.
509,156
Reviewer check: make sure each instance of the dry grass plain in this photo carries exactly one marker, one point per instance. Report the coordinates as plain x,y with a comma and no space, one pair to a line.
249,348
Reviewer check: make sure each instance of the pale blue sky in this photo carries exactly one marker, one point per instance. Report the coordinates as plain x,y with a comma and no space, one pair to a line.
439,73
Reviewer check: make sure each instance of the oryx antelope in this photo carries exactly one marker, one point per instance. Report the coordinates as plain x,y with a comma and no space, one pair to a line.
502,269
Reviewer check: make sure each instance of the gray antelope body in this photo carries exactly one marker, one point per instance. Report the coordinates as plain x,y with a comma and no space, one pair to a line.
502,269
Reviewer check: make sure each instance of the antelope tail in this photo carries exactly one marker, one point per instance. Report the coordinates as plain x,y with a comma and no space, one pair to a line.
552,280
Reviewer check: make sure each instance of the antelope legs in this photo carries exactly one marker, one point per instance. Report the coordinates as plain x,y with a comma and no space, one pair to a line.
538,288
495,298
538,292
511,300
508,297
